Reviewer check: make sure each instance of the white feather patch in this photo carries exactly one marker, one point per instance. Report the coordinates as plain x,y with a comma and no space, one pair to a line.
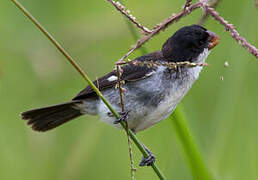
201,58
150,73
112,78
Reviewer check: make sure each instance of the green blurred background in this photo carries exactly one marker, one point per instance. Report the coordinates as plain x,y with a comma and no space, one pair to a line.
221,114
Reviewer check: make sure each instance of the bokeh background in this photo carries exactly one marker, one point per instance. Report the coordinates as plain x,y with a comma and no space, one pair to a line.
222,115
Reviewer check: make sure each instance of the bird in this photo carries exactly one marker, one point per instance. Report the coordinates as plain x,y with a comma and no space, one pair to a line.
150,93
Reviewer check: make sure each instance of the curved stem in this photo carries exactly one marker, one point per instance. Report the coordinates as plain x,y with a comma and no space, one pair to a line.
76,66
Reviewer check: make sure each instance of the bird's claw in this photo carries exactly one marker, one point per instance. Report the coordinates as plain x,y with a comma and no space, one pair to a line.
149,160
123,117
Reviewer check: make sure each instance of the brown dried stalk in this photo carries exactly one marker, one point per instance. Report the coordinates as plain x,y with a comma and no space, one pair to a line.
120,88
170,65
159,27
214,4
187,10
126,13
187,4
233,32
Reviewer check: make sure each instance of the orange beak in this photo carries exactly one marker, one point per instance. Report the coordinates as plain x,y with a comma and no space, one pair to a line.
213,40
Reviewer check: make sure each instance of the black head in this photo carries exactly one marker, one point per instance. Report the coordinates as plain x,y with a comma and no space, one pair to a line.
188,43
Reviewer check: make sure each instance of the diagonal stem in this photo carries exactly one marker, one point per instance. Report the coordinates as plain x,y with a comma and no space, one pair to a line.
162,26
178,119
187,4
129,16
198,167
230,27
195,161
135,36
204,17
76,66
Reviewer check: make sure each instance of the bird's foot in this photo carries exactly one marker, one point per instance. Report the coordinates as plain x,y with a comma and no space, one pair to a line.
123,117
149,160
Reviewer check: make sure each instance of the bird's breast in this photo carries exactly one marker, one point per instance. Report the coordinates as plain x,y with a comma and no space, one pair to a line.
174,87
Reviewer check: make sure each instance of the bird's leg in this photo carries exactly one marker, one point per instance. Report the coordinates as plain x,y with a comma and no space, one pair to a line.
149,160
123,117
145,161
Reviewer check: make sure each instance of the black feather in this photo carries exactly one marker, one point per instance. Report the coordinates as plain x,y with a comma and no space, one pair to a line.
186,44
131,72
47,118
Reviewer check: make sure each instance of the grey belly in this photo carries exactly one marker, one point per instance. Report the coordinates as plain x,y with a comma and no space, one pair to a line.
147,106
139,101
148,101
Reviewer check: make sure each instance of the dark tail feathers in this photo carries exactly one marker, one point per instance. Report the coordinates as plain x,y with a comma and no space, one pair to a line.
47,118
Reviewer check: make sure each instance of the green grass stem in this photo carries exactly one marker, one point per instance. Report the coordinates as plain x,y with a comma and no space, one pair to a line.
195,161
178,119
84,75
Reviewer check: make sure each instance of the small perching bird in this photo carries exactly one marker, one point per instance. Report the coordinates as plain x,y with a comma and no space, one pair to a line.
150,93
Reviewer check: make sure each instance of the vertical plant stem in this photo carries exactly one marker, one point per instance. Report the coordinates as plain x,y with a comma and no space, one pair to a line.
195,161
178,119
76,66
198,168
119,73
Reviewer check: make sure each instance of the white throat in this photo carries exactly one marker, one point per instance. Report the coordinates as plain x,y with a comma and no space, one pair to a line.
202,57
